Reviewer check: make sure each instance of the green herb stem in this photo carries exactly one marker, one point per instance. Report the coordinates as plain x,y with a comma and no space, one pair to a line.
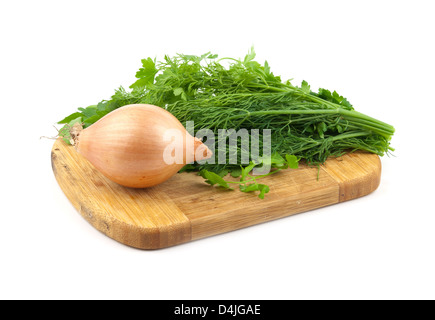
356,117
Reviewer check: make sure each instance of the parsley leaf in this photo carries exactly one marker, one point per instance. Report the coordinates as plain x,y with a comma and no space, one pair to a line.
292,161
70,118
305,87
212,179
146,74
334,98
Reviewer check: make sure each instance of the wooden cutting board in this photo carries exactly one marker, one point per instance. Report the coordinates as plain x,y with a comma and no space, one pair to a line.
185,208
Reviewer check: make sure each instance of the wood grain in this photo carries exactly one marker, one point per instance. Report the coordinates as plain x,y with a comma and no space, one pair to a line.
185,208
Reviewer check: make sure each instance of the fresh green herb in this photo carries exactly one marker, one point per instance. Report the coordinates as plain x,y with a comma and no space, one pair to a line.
66,131
248,182
230,93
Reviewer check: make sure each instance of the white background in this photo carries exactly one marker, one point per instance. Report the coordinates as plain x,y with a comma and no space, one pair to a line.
57,56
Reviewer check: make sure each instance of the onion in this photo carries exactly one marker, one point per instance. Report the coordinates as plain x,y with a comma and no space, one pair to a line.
131,145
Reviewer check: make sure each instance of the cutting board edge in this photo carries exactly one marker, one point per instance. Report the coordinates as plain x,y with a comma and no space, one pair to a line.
139,237
359,185
164,236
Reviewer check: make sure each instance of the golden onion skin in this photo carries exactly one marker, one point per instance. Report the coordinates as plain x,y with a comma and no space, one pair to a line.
127,145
